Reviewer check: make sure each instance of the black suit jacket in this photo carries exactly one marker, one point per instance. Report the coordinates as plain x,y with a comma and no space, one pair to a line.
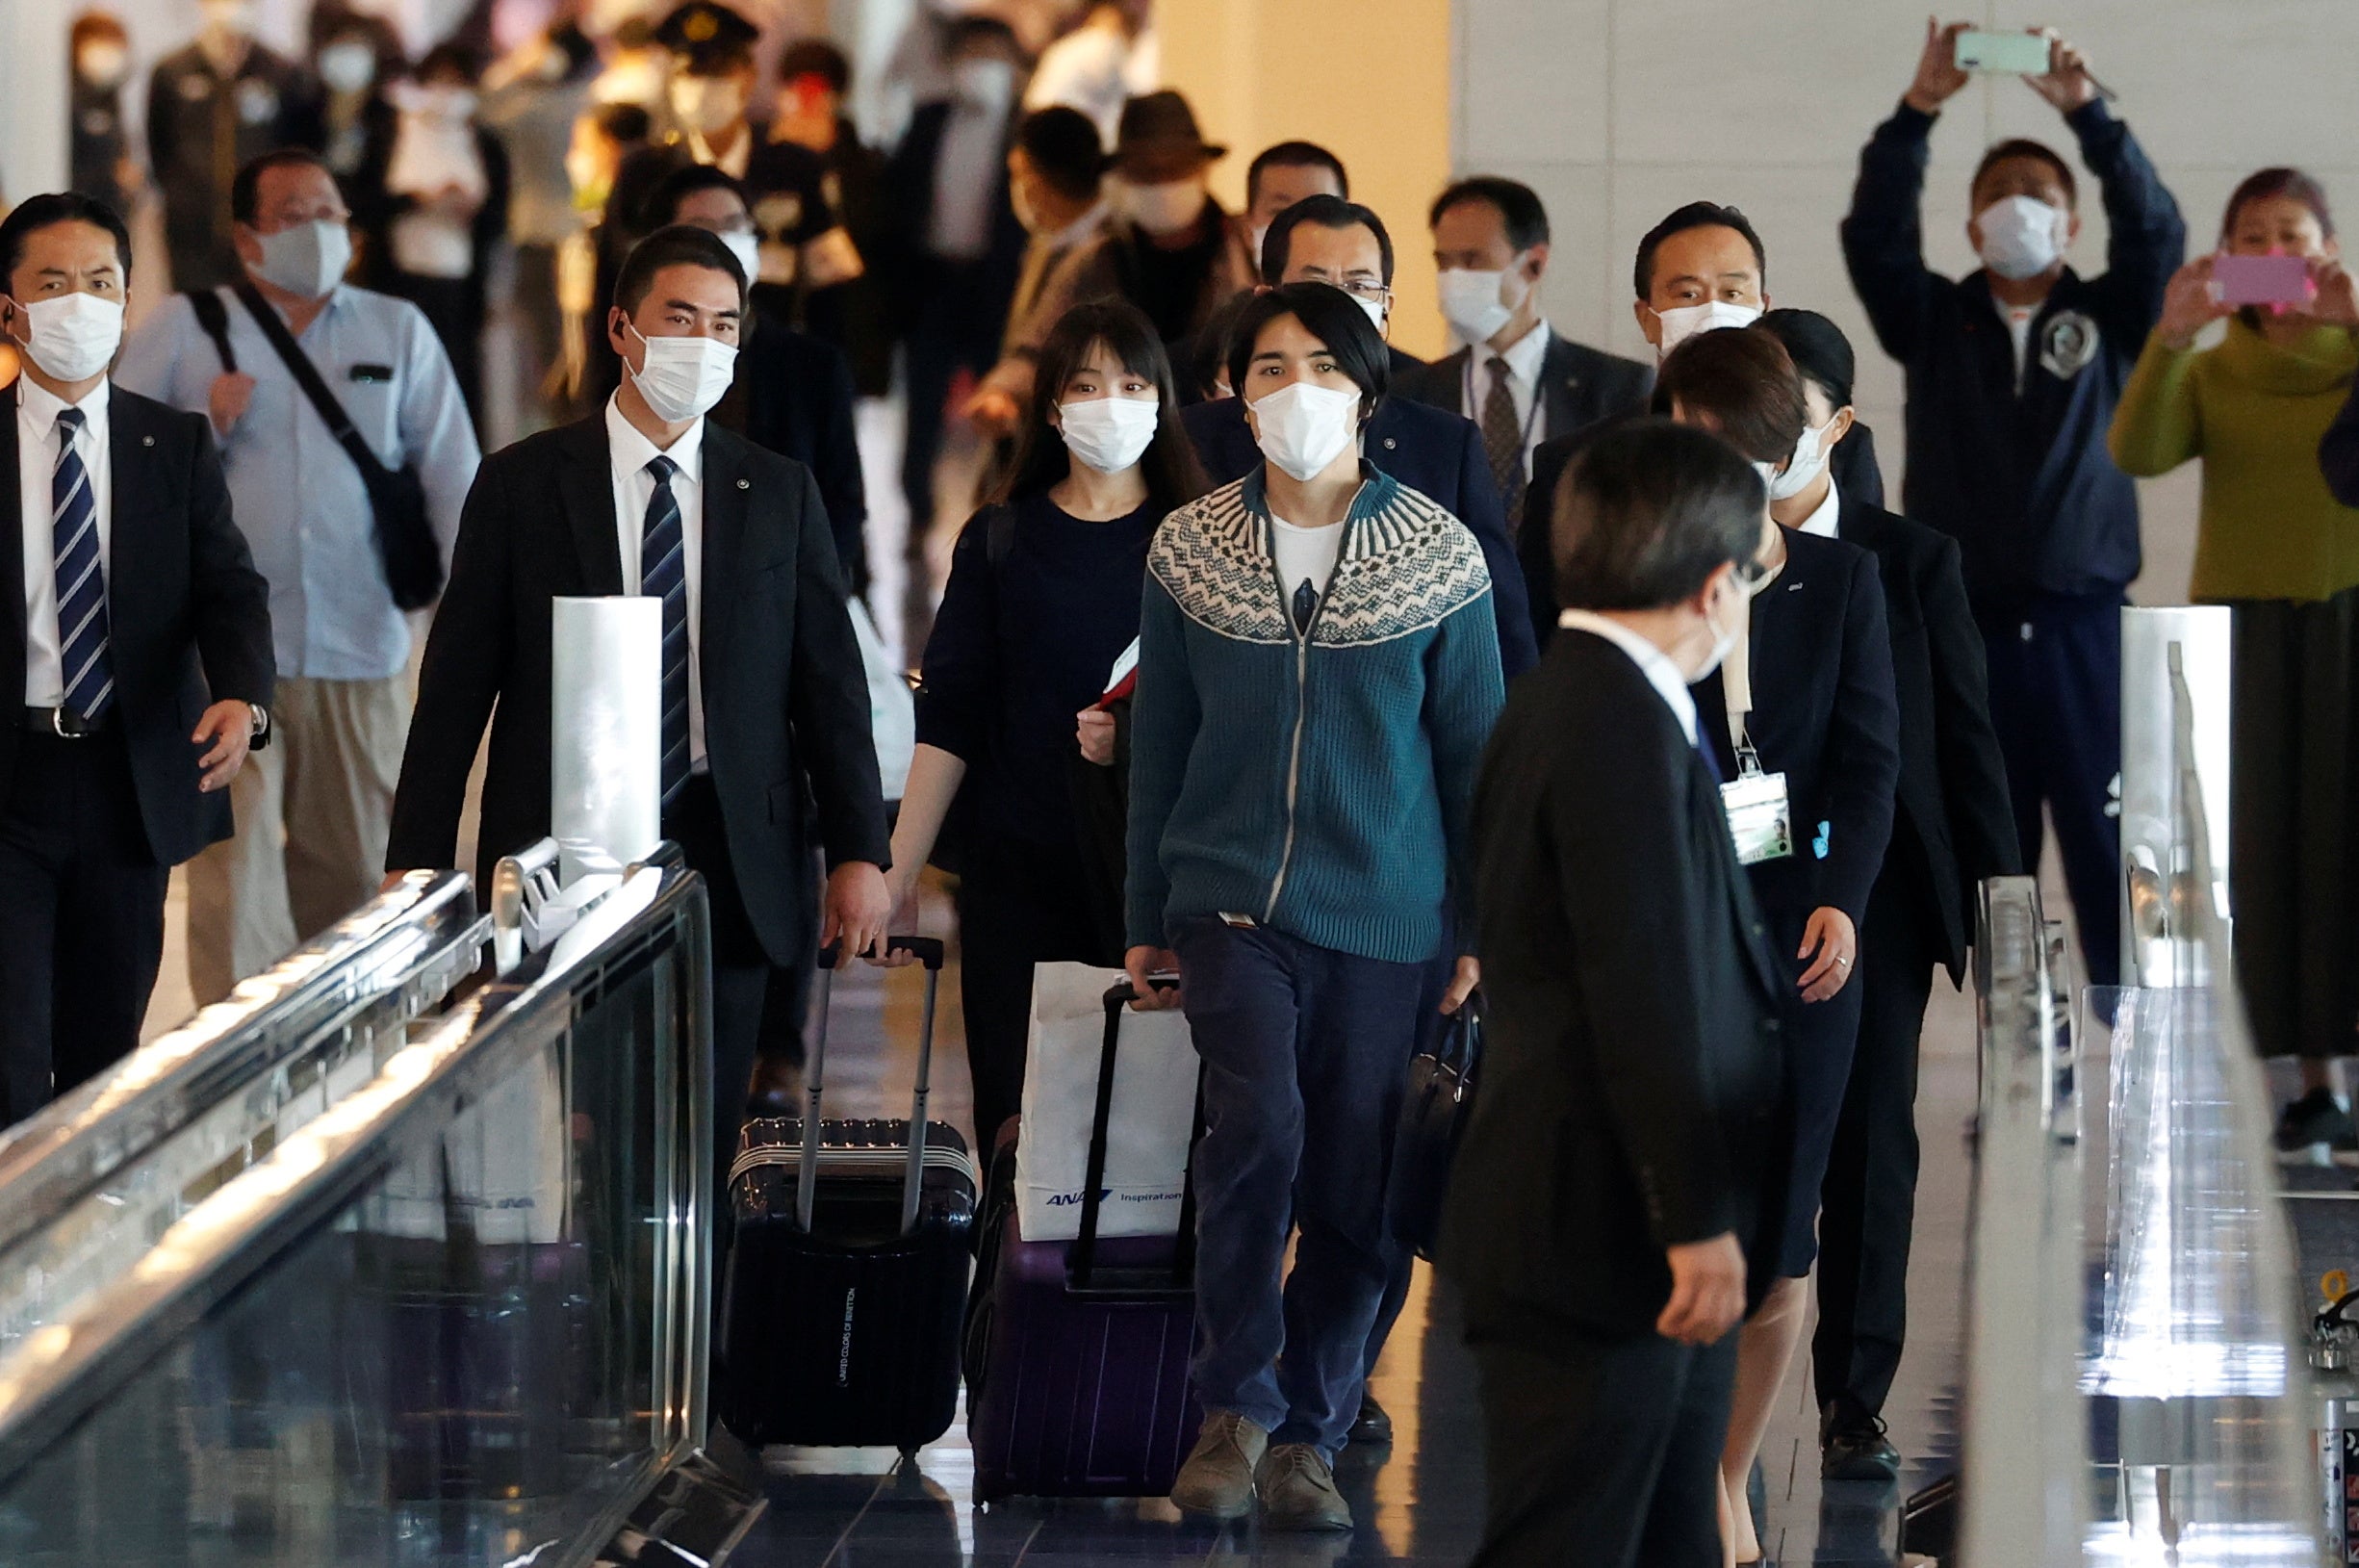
1578,385
188,616
984,285
1631,1096
1855,473
1825,716
1434,452
784,693
1953,808
793,395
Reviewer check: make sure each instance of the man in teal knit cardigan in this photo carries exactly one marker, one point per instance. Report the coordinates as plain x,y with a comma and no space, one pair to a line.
1317,672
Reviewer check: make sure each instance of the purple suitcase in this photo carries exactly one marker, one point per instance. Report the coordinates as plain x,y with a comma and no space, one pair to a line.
1077,1352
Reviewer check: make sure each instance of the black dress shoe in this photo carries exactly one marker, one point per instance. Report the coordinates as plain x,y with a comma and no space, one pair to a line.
1857,1450
2317,1117
1374,1426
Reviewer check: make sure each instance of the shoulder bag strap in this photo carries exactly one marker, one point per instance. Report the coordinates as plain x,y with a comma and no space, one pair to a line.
213,317
307,376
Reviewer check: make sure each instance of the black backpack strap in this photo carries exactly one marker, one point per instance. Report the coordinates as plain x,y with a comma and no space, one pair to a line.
307,376
213,317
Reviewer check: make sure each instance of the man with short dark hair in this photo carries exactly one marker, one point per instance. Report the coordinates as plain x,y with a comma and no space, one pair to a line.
1328,240
763,692
2013,373
1517,378
316,806
139,667
1284,174
1632,1053
1055,174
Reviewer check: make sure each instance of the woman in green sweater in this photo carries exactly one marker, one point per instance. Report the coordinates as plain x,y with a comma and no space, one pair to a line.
2276,547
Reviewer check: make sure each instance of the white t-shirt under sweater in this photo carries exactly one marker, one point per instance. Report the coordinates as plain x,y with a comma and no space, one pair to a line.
1306,554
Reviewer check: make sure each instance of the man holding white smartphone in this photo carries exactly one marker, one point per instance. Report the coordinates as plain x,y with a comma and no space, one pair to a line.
2013,374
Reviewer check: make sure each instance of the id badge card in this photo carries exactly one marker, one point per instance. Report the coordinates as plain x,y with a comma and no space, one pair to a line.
1761,819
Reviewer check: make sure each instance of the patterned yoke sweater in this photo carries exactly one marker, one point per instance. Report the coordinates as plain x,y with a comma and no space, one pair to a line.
1317,783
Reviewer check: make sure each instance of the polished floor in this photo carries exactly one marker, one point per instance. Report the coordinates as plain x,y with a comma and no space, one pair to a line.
1419,1503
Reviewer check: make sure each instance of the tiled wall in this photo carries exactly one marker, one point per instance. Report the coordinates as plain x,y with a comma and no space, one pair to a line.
1617,111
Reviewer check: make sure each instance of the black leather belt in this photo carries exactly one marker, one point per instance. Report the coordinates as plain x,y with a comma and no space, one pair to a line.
65,723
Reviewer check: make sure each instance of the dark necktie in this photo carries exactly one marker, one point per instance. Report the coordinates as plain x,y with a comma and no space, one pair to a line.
81,580
1306,605
1711,761
1502,441
663,574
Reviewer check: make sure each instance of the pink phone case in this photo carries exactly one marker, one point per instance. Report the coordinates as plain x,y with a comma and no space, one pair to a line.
2261,281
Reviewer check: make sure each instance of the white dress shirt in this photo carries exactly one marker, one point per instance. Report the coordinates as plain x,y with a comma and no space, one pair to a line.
633,488
36,462
1826,521
1652,663
966,180
1527,357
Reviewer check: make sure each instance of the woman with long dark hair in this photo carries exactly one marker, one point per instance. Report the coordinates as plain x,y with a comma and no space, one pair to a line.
1043,598
2276,546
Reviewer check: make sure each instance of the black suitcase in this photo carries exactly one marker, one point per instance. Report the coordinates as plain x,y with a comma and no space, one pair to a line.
839,1320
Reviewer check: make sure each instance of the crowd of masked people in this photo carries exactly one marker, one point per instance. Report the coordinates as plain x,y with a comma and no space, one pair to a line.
1348,688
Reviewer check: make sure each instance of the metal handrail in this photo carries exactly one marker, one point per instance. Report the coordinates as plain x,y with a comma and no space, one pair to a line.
71,1367
410,944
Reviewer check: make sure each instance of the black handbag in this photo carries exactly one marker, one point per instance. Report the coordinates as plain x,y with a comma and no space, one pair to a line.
1433,1112
405,545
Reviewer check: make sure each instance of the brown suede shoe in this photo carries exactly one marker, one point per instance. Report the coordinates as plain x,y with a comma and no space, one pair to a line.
1218,1479
1298,1489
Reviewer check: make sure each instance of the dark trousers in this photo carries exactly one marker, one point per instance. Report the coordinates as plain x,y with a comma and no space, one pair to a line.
740,973
1018,906
957,329
81,918
1304,1050
1868,1197
1602,1452
2056,703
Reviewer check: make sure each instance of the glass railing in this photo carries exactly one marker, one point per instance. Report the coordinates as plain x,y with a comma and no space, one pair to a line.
459,1315
2133,1384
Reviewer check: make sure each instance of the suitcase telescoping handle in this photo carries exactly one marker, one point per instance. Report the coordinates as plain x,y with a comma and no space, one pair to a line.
928,951
1119,998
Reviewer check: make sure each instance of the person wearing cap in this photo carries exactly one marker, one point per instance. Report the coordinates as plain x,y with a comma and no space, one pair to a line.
1170,249
957,244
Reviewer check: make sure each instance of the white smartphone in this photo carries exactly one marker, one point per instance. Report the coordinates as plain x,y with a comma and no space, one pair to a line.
2004,54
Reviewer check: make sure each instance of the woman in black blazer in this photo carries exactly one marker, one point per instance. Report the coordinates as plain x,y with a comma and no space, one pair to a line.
1810,693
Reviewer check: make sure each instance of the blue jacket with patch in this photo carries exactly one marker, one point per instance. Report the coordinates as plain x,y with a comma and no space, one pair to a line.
1317,783
2021,478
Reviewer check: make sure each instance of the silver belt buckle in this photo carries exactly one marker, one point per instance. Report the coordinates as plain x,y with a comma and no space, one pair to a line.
57,722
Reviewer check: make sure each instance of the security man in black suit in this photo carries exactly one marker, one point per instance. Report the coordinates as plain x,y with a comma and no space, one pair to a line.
1954,826
763,685
1530,382
138,634
1328,240
1613,1210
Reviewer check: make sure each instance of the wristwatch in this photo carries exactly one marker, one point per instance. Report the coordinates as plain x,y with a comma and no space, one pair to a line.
261,722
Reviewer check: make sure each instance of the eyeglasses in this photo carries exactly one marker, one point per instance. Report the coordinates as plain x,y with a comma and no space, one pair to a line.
1366,288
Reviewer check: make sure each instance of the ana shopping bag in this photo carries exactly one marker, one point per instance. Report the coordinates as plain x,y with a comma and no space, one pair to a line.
1148,1120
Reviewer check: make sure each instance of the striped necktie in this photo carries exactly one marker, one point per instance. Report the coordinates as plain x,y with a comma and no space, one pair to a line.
663,574
82,579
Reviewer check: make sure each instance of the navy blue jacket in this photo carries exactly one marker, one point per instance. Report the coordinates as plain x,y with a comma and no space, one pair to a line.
1432,451
2023,482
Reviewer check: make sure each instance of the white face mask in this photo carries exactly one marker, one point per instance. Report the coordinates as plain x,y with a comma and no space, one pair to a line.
1377,309
1680,323
1477,304
1303,427
984,84
73,337
2022,236
103,64
348,67
308,259
1254,237
682,377
746,245
1164,209
1809,462
1109,433
706,104
1724,643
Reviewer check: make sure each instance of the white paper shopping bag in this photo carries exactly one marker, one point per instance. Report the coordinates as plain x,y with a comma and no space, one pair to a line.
1148,1122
